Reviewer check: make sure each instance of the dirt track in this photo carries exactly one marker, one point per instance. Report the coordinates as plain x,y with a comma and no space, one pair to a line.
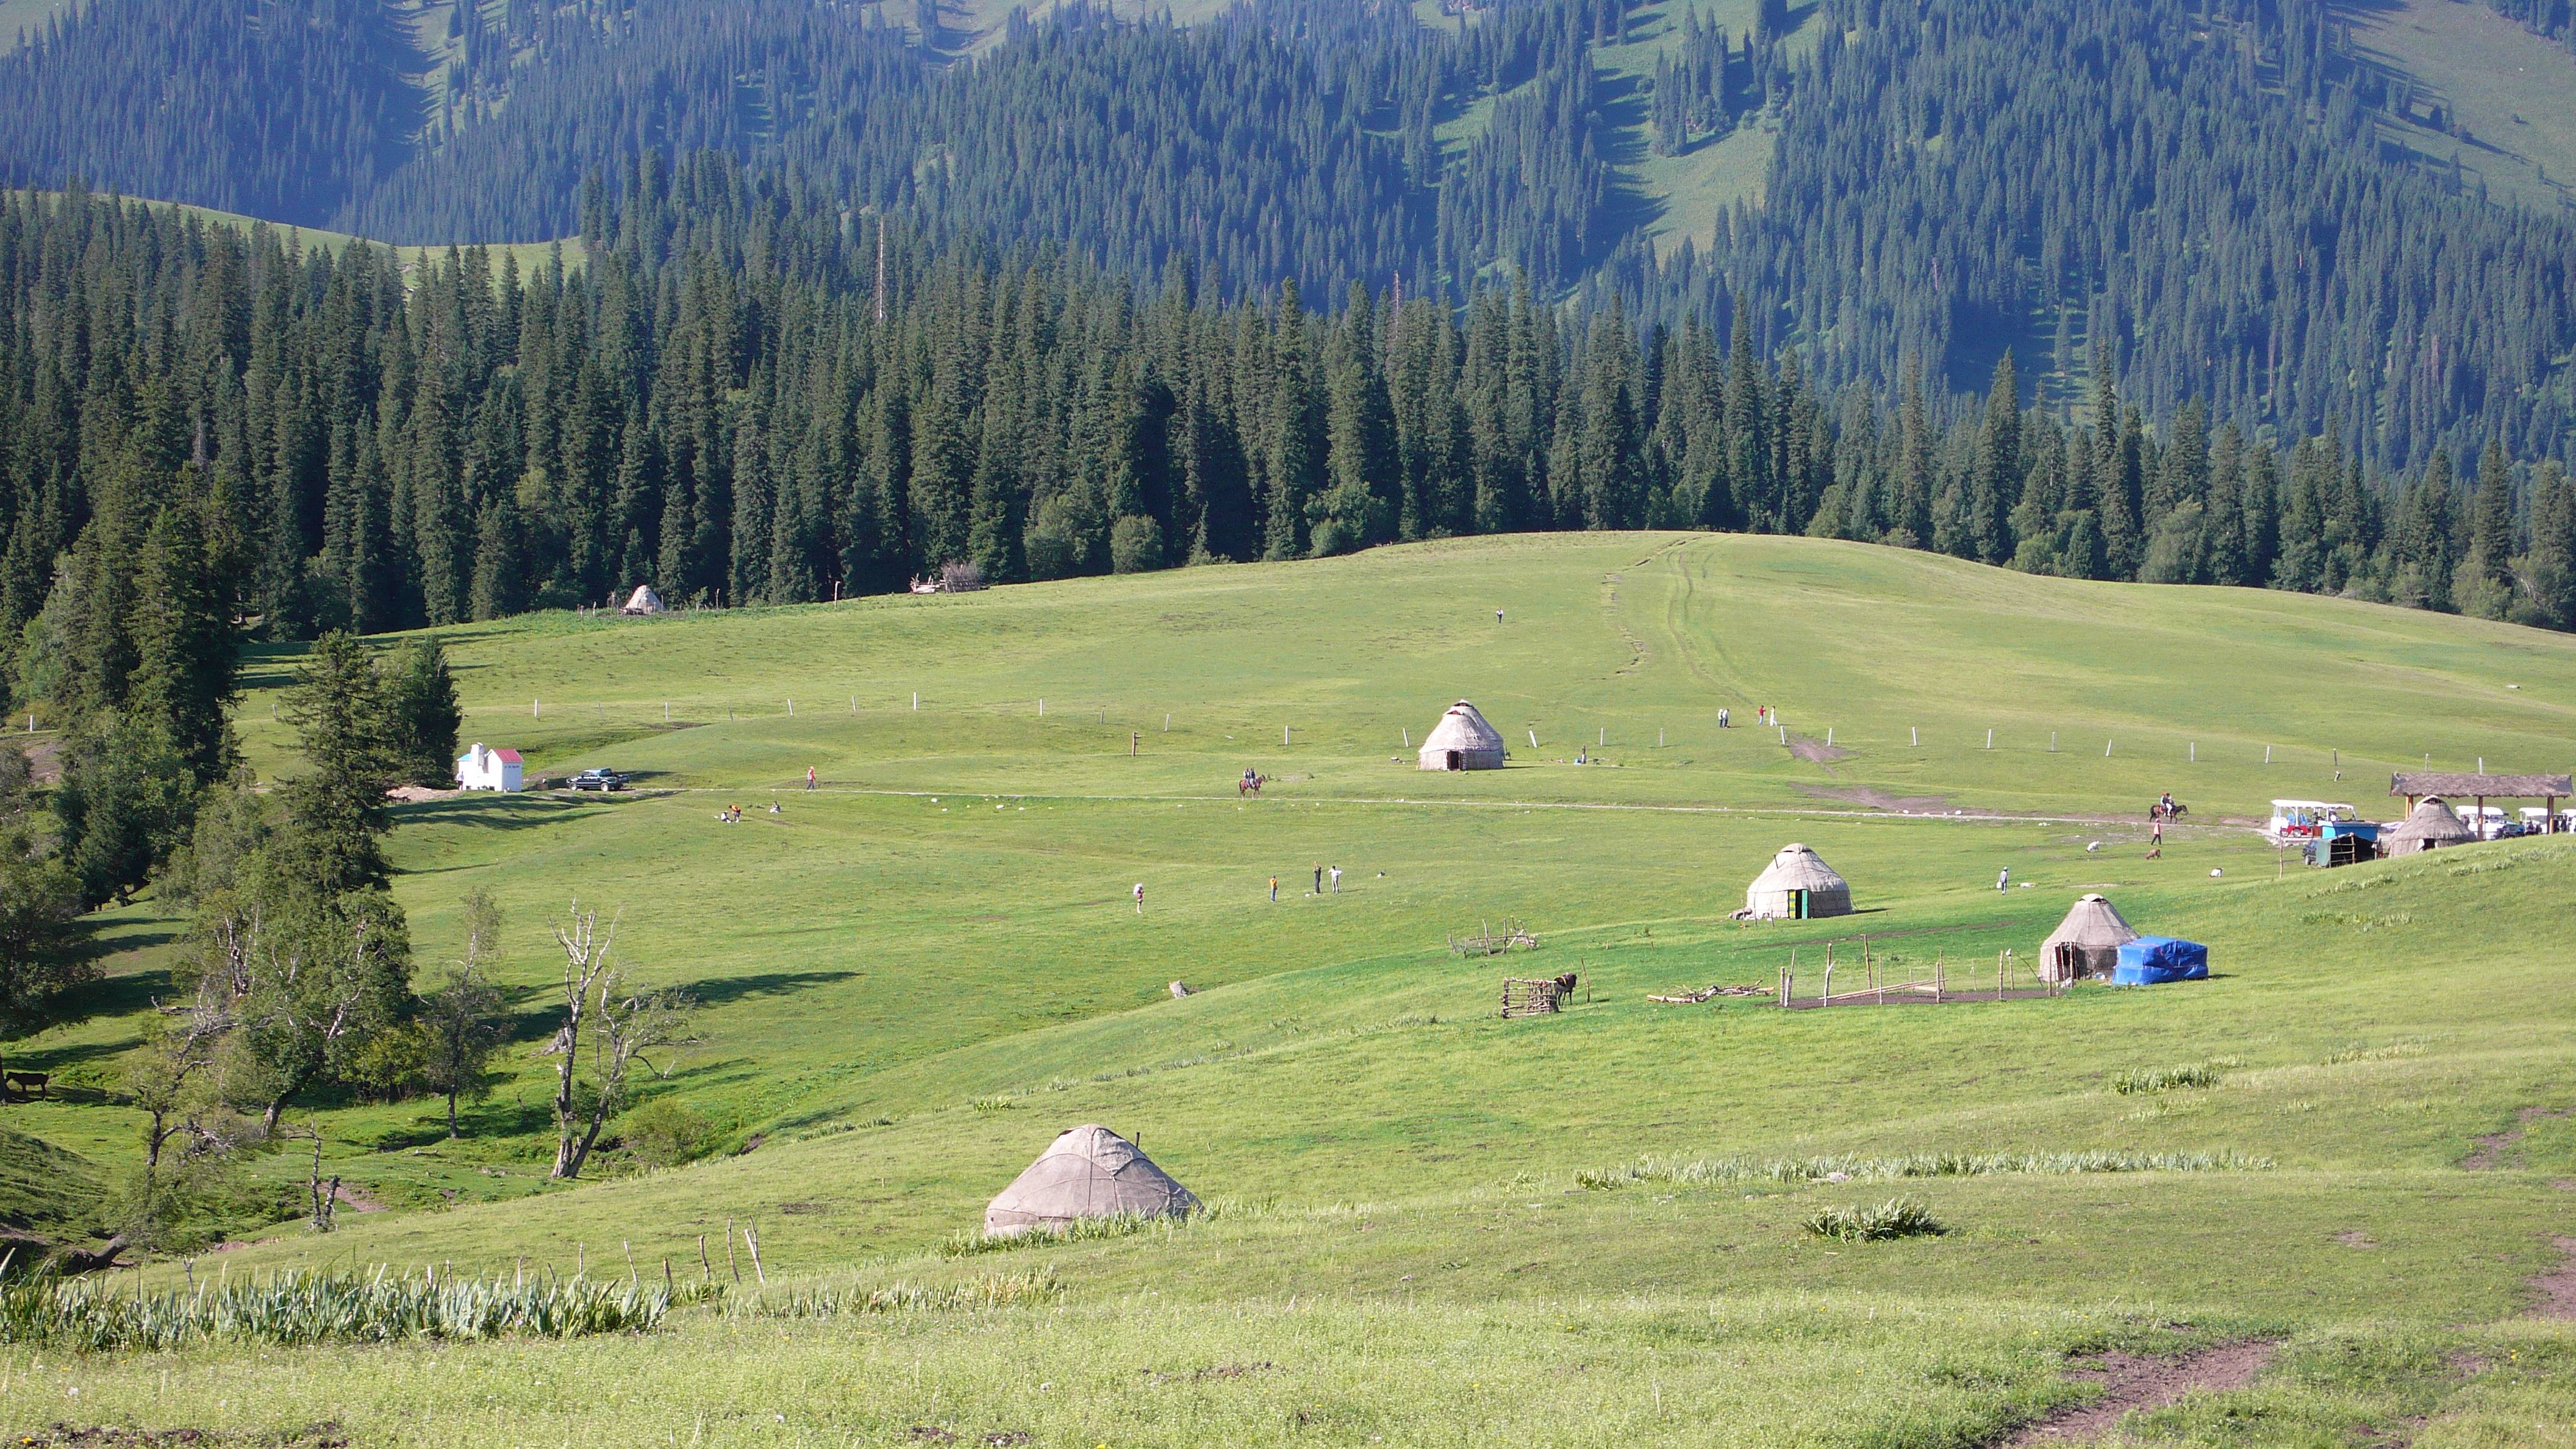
2131,1382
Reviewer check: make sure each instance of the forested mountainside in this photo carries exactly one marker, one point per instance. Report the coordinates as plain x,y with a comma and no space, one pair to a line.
2219,197
745,396
2207,202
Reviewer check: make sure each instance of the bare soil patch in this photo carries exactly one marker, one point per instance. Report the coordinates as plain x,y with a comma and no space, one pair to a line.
2493,1147
1878,799
2131,1382
318,1436
45,761
2557,1287
1816,751
416,794
2355,1238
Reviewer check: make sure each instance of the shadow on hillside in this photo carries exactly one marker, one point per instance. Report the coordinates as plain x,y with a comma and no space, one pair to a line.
540,1022
725,991
489,813
123,993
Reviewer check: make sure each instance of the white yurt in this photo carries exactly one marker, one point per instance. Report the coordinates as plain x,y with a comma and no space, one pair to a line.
643,601
2433,826
1088,1172
1796,885
1462,741
2086,945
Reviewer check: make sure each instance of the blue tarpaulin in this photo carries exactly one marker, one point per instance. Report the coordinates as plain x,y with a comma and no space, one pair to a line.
2155,960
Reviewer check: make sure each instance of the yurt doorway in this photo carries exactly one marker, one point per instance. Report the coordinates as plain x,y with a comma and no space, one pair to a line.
1457,759
1798,905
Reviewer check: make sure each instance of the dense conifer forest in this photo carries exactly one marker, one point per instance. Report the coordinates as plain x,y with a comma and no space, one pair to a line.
1129,296
2200,190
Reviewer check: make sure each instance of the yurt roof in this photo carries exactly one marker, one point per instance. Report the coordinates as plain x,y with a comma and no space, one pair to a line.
2434,821
2092,921
1798,868
1087,1172
1462,728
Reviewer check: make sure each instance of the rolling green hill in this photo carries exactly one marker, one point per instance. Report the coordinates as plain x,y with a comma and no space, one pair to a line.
916,975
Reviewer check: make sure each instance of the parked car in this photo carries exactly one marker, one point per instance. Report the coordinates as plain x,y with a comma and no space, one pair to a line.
597,779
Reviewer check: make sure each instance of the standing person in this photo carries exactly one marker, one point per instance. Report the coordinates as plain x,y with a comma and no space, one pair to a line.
1721,719
1274,890
809,777
1498,616
1337,880
2156,839
1140,898
1319,877
2003,878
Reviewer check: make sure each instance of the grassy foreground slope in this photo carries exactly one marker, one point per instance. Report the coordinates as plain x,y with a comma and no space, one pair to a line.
920,973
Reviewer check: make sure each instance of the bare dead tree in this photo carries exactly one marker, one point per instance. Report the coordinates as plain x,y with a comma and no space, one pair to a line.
621,1028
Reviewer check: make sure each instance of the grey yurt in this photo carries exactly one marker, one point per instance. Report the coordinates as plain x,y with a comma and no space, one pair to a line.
2086,945
643,601
1088,1172
2431,827
1462,741
1796,886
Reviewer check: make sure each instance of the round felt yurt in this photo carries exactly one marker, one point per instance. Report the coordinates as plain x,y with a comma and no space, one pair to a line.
1462,741
2086,945
1087,1172
1796,886
2432,827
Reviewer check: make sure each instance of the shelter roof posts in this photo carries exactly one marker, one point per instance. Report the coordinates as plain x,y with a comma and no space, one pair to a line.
2463,785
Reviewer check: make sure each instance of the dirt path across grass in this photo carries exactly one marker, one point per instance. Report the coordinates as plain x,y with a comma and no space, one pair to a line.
1816,752
1967,817
2131,1382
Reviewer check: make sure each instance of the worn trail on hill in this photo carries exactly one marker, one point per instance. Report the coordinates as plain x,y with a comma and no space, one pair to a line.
1978,817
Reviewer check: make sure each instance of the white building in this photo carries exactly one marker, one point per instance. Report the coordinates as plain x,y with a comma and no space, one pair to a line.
486,769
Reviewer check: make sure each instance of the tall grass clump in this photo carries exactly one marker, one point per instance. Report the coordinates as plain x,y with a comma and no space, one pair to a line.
1008,1290
1080,1230
2163,1079
296,1308
1711,1172
1898,1217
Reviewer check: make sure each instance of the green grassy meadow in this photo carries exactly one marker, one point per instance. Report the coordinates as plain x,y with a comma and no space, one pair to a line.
1433,1226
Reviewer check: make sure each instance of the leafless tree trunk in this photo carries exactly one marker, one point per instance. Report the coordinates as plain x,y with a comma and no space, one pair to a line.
586,958
619,1028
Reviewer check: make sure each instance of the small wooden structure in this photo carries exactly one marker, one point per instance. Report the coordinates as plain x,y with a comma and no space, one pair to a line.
1877,990
1488,942
1542,997
2460,785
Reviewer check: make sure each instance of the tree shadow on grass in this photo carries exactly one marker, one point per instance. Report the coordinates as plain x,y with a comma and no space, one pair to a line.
495,812
542,1021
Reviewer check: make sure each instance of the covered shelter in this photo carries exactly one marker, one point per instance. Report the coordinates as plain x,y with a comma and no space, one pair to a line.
642,601
2480,788
2429,826
1462,741
2086,945
1796,886
1087,1172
